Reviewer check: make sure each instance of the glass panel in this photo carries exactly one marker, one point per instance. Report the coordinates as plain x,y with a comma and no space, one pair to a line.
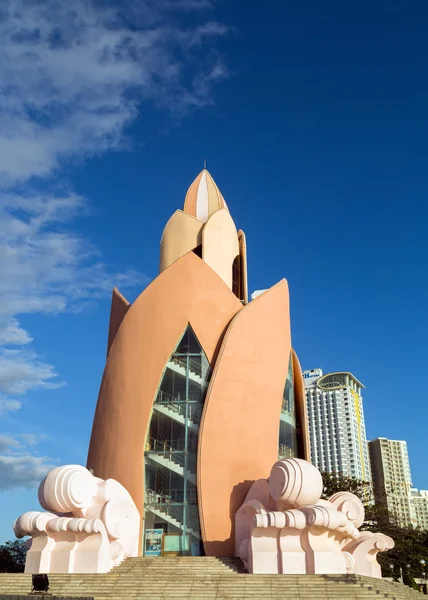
171,449
287,424
236,276
198,250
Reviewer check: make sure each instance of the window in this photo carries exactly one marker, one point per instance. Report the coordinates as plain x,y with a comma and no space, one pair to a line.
287,424
198,250
171,447
236,277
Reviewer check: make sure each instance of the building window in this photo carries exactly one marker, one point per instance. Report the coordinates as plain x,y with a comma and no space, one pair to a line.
171,448
287,423
198,250
236,277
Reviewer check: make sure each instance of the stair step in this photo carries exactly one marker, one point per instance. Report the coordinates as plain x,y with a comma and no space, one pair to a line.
206,578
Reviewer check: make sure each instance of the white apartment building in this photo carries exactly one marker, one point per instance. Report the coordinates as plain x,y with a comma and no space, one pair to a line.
337,431
419,506
392,483
391,477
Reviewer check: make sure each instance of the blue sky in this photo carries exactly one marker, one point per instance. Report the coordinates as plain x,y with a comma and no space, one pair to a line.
313,120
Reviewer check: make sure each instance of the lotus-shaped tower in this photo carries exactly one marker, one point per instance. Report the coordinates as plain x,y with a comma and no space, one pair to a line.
201,391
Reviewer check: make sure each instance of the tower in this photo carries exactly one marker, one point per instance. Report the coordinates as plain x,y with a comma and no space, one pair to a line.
336,423
392,480
196,383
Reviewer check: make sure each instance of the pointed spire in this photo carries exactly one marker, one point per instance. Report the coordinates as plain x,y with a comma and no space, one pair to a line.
203,197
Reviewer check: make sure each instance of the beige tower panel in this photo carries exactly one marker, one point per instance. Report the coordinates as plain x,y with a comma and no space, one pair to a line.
220,244
181,234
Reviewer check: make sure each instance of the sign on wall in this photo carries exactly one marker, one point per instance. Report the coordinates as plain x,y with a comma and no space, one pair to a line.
153,542
311,377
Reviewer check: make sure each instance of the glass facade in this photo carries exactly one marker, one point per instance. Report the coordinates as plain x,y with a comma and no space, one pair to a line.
236,277
287,424
171,449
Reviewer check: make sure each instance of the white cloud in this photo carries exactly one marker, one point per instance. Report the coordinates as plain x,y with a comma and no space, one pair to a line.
8,405
31,439
23,471
73,74
12,334
45,267
21,371
19,468
7,442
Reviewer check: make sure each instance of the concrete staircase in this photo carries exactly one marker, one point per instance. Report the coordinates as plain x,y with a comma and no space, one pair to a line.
173,522
175,412
207,578
171,462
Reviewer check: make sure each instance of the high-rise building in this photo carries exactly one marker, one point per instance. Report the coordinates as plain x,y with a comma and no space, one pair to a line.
391,476
392,483
419,508
336,423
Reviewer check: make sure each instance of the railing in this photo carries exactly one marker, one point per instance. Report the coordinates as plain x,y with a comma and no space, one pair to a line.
191,397
194,365
170,446
285,451
286,405
164,397
174,496
173,505
175,452
194,408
